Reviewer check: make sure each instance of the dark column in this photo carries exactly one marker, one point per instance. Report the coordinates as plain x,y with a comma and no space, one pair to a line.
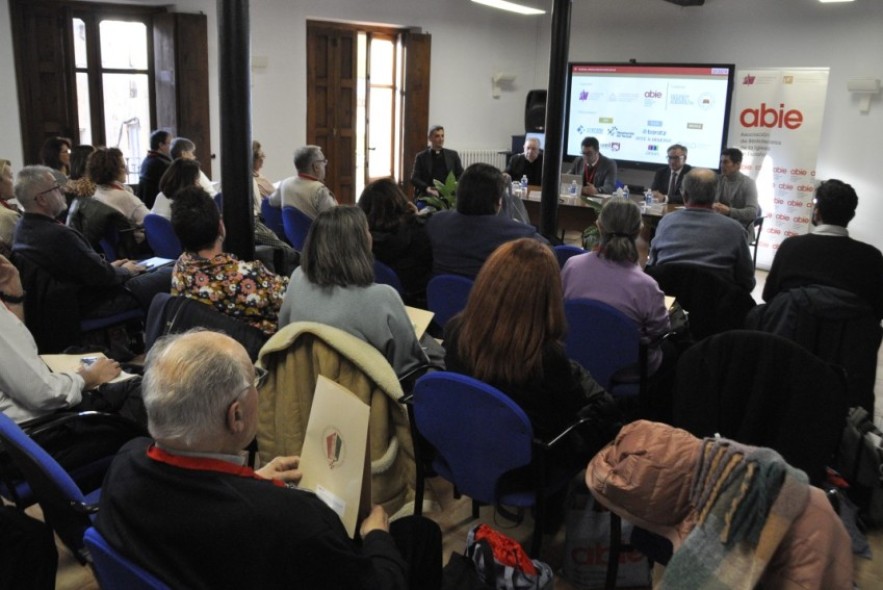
555,101
234,55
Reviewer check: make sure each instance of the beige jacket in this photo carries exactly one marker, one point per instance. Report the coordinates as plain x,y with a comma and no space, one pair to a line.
295,356
645,476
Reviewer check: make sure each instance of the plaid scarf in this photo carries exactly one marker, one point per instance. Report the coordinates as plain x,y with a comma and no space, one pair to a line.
746,499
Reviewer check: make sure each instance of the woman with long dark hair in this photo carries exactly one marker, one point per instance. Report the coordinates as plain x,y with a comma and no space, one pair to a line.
510,336
399,239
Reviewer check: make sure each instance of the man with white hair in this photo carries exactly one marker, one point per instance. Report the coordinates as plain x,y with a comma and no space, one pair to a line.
306,191
185,507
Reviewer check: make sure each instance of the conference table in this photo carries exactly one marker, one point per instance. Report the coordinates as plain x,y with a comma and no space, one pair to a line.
575,214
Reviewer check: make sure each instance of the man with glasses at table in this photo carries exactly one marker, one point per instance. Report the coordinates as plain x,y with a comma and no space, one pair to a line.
598,172
666,185
103,288
306,191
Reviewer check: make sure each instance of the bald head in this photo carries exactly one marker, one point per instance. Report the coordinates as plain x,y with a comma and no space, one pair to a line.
699,187
190,382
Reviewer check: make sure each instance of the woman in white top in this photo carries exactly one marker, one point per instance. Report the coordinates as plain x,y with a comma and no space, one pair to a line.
179,175
107,169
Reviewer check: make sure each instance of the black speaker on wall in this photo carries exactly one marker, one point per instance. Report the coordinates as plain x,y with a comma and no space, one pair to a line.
535,111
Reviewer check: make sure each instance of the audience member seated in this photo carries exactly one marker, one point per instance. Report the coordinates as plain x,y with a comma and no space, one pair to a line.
334,285
179,175
398,237
434,163
306,191
154,165
827,255
185,149
56,154
78,184
106,167
103,288
9,213
463,239
667,181
186,508
529,164
28,389
612,275
736,192
243,290
697,235
263,235
598,172
510,336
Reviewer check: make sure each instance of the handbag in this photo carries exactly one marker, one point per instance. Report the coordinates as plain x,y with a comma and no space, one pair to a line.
502,563
860,461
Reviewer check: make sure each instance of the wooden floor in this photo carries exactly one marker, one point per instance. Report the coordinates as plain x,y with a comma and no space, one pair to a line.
454,518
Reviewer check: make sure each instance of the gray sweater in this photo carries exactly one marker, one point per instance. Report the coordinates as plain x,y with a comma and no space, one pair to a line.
374,313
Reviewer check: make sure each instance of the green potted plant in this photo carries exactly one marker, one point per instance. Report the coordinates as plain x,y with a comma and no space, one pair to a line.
447,194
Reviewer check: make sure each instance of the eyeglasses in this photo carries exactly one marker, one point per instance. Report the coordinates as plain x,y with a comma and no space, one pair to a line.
589,154
674,157
56,187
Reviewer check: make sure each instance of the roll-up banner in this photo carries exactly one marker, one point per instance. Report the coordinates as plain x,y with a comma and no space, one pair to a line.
777,123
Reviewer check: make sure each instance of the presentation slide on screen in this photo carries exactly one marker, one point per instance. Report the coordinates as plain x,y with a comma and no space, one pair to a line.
636,112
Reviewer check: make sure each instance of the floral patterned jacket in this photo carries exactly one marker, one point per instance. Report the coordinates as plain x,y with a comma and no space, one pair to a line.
243,290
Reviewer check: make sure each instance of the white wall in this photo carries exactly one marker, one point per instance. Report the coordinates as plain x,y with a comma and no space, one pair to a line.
847,38
471,42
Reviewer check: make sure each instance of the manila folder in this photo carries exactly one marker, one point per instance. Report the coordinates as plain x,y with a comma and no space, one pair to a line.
334,459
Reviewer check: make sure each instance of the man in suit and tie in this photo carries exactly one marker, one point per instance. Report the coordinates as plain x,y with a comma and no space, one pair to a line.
434,163
666,185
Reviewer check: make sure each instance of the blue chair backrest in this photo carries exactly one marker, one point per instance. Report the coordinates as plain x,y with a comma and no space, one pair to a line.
273,218
600,338
110,243
219,202
161,237
62,500
297,226
446,296
115,572
478,432
384,275
564,252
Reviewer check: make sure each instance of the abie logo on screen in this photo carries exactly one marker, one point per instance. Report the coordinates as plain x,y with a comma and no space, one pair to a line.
771,118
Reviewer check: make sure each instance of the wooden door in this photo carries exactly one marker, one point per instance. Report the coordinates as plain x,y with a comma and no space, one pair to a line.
44,68
331,103
416,100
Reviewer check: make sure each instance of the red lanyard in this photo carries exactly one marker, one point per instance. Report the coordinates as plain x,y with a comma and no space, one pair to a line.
590,178
205,464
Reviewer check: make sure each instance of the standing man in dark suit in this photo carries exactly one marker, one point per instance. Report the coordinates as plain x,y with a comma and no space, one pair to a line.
434,163
598,172
154,166
666,185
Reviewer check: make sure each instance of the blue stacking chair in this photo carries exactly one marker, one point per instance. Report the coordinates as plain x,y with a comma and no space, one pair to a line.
564,252
608,344
446,296
65,508
479,435
384,275
115,572
273,218
297,226
161,237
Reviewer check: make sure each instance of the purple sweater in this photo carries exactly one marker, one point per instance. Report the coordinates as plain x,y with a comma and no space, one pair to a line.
623,286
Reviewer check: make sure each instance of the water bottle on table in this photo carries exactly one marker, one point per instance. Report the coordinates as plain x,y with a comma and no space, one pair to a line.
524,185
648,198
574,190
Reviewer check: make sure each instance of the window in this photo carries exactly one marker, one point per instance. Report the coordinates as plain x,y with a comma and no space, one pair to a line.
113,72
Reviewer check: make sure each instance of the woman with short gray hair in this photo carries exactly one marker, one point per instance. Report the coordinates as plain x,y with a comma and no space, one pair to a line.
335,286
611,274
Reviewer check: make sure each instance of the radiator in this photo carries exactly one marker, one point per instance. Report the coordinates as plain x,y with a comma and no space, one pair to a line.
492,157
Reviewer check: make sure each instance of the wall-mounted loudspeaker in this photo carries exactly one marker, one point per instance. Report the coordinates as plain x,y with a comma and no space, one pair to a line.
535,111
